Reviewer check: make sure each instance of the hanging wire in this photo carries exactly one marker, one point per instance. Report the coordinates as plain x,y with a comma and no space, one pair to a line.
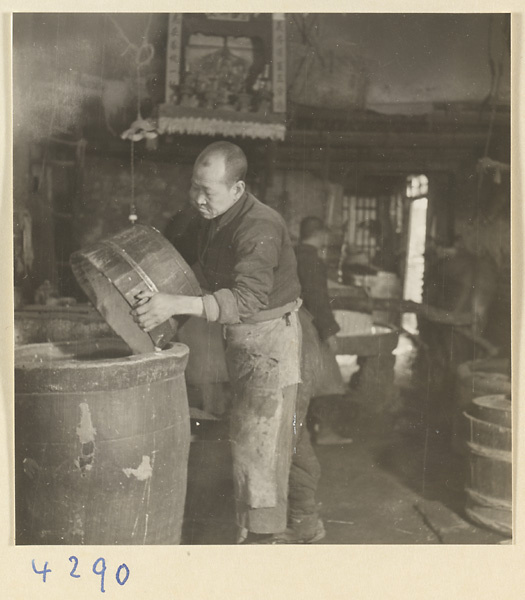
140,128
53,111
133,208
103,62
493,95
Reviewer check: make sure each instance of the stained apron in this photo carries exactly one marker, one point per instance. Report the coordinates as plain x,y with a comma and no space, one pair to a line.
263,362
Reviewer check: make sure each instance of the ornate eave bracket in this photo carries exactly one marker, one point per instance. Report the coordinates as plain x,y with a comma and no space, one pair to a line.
182,120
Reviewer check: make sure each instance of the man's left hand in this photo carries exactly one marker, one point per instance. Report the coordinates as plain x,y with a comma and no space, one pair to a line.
332,343
152,309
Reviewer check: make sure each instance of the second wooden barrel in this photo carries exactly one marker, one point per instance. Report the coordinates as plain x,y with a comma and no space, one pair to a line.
102,441
113,271
489,473
475,379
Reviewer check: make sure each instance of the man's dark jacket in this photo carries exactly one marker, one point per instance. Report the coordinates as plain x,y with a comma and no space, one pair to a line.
313,278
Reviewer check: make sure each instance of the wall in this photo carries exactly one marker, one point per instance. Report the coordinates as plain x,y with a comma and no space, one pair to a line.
160,190
75,73
71,69
472,209
411,60
76,70
299,194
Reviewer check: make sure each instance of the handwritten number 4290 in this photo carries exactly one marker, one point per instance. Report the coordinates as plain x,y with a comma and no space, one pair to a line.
99,568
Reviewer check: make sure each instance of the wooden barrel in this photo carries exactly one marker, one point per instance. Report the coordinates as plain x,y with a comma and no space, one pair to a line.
113,271
475,379
489,476
483,377
102,441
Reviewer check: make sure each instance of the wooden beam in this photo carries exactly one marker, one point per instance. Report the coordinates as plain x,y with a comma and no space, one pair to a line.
379,154
357,139
343,169
433,313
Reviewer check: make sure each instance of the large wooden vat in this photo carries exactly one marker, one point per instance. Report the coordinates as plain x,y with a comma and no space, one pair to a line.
102,441
489,473
113,271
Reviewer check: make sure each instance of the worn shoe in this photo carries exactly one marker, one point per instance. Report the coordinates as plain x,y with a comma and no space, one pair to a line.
257,538
292,536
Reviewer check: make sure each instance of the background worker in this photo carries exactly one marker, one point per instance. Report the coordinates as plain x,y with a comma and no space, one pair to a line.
311,268
328,409
248,265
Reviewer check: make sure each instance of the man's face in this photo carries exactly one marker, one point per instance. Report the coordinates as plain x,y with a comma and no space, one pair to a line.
209,192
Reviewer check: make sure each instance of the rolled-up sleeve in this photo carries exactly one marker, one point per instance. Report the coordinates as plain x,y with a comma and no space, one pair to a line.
257,250
211,307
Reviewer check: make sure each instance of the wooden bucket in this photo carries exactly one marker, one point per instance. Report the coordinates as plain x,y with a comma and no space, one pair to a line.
489,476
113,271
477,378
102,440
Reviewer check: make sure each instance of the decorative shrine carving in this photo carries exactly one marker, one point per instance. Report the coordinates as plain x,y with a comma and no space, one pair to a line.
225,75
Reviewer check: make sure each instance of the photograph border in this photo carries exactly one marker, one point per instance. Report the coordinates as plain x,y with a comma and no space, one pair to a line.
322,571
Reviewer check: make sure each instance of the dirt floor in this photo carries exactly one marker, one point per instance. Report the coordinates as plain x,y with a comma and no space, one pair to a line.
397,482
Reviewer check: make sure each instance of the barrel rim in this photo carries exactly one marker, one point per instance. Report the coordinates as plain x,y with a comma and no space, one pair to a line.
176,349
484,402
488,501
490,523
93,246
496,454
83,254
76,376
500,428
468,368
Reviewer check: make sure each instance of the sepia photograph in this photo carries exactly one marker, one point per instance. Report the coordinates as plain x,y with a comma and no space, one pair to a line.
262,279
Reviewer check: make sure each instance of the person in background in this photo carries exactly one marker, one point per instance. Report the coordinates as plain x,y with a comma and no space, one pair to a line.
249,270
312,272
456,281
330,404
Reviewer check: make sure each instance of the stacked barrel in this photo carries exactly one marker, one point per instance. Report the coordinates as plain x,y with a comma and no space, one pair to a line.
486,437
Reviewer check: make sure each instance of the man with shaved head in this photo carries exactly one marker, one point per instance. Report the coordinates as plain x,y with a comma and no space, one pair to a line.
250,274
